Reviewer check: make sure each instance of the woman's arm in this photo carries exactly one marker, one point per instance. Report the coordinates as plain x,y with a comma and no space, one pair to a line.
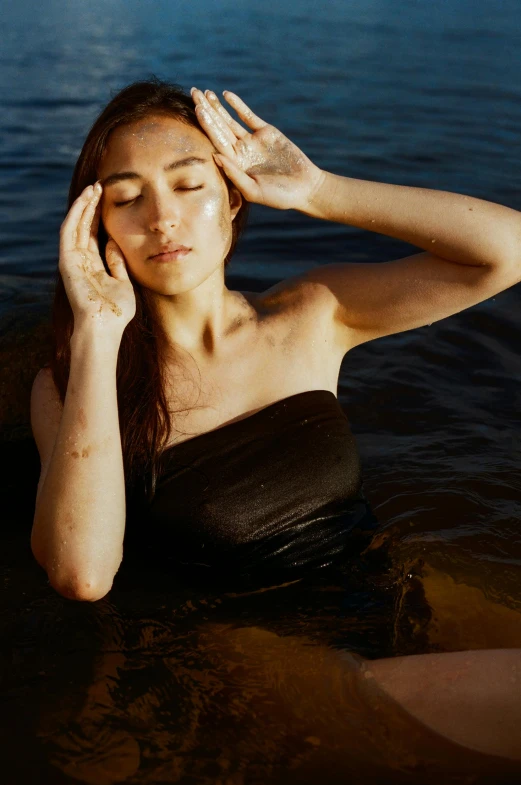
474,252
79,520
472,247
269,169
458,228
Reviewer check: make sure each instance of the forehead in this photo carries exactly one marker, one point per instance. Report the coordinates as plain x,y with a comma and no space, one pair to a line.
154,137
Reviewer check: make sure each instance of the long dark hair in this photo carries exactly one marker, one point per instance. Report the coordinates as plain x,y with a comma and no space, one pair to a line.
144,416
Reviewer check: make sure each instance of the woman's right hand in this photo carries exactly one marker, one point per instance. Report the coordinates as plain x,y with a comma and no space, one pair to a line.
97,298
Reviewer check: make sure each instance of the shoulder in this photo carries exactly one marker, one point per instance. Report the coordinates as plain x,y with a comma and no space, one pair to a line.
45,411
46,405
300,293
43,383
306,299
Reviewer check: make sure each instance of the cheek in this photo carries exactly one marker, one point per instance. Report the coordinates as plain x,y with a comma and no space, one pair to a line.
107,217
224,219
117,226
216,212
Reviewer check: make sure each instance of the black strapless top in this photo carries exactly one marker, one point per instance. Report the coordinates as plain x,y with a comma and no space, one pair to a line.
279,491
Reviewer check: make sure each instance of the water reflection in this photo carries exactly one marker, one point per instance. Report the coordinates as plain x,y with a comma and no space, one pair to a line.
226,701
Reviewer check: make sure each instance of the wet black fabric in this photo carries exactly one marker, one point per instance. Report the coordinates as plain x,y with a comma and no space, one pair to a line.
278,492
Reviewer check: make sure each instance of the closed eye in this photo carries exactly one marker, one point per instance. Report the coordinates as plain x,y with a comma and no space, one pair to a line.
121,204
129,201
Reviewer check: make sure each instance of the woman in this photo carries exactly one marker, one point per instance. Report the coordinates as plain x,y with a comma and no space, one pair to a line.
226,400
157,326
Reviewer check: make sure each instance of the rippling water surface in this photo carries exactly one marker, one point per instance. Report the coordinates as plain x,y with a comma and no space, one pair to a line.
163,681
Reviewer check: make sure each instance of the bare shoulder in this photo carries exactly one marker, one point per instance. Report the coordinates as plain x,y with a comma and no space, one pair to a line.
306,299
299,295
46,407
374,300
44,386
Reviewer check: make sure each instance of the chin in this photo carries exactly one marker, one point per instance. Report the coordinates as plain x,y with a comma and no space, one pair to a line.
182,284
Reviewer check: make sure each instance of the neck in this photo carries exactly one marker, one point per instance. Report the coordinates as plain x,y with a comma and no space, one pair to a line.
200,320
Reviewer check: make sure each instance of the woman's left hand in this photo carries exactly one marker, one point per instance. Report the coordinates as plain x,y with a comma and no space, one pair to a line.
264,165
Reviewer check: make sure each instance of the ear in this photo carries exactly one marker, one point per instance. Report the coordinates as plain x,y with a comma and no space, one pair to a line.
235,198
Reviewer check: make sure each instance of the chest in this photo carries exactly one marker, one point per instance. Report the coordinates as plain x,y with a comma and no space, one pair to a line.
283,352
277,489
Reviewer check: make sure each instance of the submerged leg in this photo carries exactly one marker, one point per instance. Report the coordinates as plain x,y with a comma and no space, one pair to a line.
471,697
393,707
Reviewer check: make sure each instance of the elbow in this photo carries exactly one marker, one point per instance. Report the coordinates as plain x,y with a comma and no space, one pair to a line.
83,587
72,582
83,590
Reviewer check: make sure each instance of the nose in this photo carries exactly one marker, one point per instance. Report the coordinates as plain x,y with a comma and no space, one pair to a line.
163,213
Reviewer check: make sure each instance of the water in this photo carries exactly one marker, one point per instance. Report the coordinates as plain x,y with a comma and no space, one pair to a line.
165,681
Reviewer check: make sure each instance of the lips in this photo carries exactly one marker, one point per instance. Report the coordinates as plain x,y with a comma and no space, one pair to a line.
171,248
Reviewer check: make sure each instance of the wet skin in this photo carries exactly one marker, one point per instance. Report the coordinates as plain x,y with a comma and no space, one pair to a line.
158,207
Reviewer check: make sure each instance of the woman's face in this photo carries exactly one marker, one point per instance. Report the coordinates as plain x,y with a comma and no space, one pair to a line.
147,202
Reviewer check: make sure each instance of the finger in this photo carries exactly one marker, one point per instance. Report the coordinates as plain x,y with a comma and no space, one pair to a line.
69,227
246,185
237,129
116,261
244,111
213,130
219,131
97,214
93,239
85,222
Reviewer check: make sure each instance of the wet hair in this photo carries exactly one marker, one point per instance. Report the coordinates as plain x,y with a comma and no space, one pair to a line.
144,417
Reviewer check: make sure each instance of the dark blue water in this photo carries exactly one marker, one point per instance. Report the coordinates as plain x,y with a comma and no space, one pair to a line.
412,93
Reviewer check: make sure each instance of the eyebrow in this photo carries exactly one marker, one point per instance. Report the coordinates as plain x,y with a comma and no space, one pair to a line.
119,176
